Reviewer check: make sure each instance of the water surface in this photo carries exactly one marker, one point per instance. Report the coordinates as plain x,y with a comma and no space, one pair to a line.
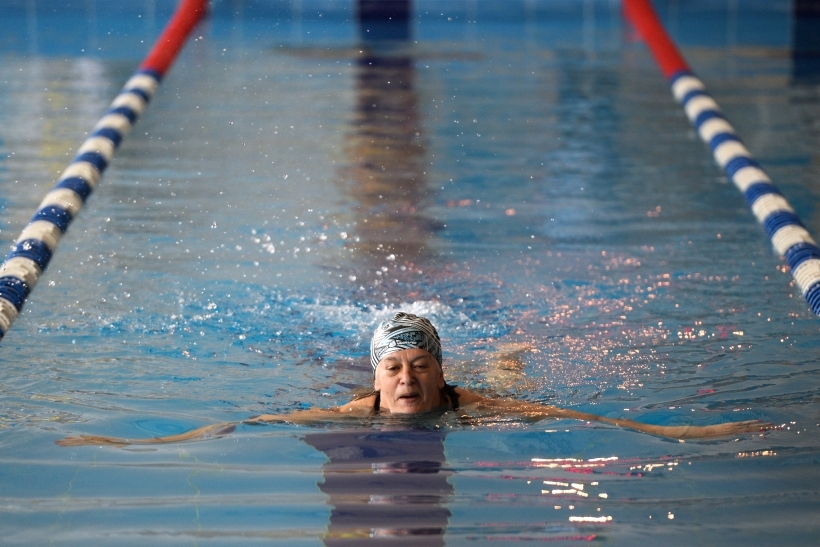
520,176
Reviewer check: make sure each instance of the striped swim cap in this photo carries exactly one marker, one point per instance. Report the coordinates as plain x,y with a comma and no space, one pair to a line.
404,331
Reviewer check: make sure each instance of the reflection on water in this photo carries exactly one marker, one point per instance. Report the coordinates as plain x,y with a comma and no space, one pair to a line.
806,42
385,160
395,487
385,487
385,149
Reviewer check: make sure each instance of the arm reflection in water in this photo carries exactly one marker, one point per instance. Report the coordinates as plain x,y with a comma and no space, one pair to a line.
385,487
405,353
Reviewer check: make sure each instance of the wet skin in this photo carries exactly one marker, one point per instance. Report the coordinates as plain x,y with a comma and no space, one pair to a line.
410,381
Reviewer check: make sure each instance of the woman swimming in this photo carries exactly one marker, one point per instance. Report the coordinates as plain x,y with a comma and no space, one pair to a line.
408,378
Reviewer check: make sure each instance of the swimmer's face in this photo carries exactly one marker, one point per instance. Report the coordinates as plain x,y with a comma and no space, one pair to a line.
410,381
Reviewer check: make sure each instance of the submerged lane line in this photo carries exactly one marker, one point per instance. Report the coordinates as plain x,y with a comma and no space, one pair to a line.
37,242
789,236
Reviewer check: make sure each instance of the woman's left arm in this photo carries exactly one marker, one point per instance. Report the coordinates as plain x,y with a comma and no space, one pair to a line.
537,411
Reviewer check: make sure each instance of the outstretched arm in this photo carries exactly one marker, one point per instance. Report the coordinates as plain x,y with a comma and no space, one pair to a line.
362,407
356,408
671,431
214,430
537,411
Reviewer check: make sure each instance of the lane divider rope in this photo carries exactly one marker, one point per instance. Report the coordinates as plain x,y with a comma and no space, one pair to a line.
789,236
37,242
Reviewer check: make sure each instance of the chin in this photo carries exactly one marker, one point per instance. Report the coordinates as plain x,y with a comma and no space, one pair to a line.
410,408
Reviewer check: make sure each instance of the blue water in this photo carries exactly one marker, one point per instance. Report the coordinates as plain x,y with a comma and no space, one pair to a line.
517,171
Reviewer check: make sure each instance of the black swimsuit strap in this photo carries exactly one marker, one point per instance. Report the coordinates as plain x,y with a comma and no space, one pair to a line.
452,394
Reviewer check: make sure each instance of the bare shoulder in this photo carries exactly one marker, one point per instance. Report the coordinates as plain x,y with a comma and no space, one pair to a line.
466,397
359,405
356,408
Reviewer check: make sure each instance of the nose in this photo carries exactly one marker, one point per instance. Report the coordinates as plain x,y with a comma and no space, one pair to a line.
407,376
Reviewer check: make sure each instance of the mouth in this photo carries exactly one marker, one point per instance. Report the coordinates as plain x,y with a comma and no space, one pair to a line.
410,397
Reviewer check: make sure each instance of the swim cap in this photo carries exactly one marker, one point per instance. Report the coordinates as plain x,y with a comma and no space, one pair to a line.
404,331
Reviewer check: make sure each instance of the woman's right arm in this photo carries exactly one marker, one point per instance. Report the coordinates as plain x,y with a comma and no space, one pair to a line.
205,432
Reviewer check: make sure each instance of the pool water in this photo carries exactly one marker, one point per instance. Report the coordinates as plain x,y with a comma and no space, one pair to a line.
518,172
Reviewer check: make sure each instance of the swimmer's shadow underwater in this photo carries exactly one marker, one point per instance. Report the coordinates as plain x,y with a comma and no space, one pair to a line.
385,486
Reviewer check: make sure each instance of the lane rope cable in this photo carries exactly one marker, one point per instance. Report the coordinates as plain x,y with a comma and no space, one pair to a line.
37,242
789,236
